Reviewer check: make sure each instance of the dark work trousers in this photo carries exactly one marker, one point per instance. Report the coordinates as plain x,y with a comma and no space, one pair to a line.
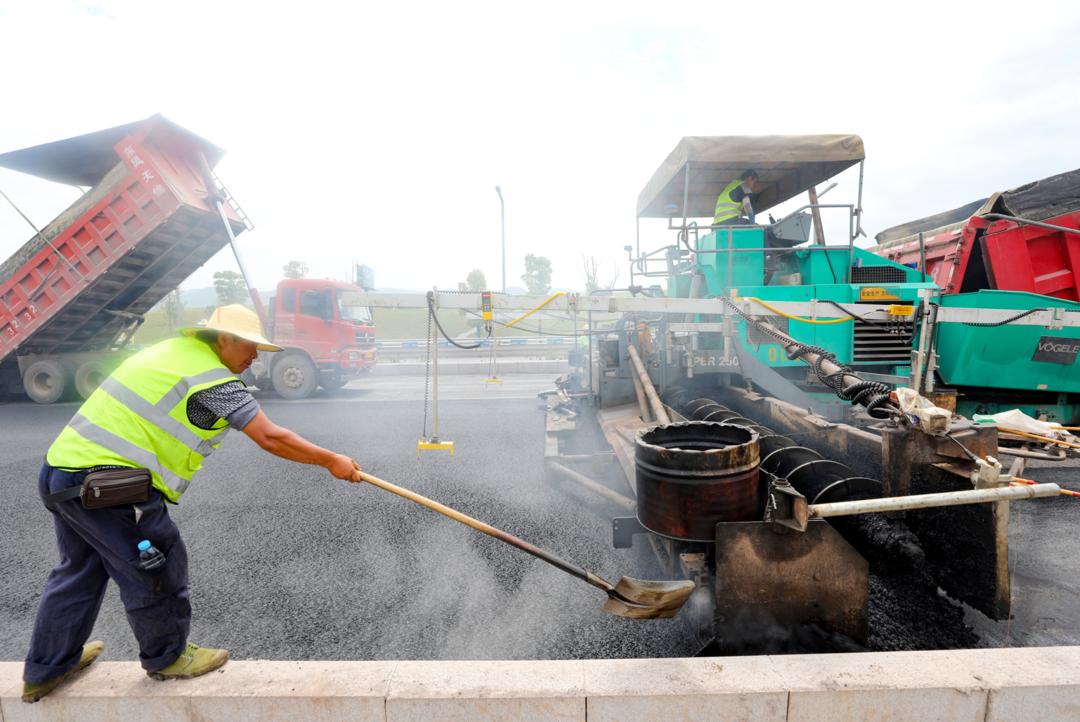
97,545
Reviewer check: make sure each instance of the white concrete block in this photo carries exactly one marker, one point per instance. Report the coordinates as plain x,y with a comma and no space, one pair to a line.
311,691
731,688
1034,683
1023,704
887,686
1021,666
468,691
10,684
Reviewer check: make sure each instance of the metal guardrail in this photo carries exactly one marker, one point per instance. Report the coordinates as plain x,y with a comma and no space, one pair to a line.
419,343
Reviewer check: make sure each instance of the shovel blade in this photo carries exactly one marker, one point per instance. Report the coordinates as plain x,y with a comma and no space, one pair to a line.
643,599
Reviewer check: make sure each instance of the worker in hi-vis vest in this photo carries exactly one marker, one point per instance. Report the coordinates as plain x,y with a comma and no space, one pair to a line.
132,448
733,203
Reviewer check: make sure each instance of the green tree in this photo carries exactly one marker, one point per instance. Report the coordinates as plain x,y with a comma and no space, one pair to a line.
295,269
537,275
230,287
476,281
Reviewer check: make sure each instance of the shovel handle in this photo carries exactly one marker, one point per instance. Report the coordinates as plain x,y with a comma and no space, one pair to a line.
491,531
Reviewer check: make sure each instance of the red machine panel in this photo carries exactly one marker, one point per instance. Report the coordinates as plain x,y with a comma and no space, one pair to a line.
1021,257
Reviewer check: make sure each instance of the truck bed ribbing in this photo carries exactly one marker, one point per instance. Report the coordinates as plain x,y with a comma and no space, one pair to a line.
143,228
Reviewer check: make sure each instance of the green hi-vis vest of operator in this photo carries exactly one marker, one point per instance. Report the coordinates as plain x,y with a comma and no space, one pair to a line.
734,201
138,417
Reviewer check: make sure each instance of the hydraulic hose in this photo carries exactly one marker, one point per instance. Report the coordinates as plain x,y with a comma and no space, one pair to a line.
848,385
435,318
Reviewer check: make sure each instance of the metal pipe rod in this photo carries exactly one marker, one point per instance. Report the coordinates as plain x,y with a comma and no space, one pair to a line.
639,392
1061,455
646,383
594,486
922,256
928,501
1025,221
41,235
858,207
585,457
253,291
502,232
434,341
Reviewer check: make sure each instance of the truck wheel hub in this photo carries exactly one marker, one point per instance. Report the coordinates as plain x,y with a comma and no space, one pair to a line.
294,377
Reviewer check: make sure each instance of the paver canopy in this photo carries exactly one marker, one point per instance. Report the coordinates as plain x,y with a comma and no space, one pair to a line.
787,165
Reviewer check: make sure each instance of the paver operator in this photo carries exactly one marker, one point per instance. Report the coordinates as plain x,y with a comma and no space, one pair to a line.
133,446
734,201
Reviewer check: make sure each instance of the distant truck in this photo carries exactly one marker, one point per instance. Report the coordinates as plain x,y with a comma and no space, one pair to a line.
75,293
1025,239
327,334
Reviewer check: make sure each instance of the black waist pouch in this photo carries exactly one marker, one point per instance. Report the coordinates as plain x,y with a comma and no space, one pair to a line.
107,487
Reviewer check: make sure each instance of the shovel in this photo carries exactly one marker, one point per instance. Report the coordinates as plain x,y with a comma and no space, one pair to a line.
632,598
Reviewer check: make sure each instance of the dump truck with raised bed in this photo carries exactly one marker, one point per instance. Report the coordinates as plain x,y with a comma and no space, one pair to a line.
74,294
1025,239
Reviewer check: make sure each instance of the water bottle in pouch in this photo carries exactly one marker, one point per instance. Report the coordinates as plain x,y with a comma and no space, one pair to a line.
149,557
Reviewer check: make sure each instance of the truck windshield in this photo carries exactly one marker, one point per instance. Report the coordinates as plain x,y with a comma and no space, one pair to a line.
350,310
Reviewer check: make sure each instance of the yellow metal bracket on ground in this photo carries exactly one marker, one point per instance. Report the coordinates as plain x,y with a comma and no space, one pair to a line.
424,445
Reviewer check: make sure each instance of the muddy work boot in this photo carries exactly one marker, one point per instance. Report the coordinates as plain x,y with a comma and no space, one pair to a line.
33,691
192,662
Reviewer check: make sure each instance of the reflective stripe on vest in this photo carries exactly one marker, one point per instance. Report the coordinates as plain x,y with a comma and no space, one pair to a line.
159,416
138,416
727,208
177,393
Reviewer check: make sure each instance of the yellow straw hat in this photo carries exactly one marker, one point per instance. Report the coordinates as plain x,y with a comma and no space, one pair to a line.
237,320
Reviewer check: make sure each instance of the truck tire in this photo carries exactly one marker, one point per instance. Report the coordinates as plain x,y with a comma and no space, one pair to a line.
88,377
46,381
332,382
294,376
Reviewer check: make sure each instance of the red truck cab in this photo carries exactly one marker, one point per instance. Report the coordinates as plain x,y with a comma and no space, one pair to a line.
328,337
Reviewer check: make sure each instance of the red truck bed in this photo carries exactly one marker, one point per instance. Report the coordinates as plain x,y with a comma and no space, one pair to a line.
966,251
144,226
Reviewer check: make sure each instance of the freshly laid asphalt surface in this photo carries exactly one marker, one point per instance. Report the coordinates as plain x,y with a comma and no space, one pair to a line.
289,563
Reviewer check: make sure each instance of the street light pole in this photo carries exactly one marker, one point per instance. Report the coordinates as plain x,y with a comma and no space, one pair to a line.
502,221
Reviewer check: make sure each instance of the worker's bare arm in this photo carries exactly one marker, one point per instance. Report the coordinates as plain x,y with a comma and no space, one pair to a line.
287,444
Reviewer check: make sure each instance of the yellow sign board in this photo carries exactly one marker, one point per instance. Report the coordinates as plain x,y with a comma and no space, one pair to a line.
876,293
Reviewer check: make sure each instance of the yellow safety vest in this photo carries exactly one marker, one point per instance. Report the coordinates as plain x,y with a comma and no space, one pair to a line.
726,207
138,416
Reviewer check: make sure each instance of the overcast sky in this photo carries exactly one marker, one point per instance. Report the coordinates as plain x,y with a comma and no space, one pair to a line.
377,131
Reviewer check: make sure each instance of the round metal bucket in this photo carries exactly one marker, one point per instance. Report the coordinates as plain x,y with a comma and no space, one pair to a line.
695,474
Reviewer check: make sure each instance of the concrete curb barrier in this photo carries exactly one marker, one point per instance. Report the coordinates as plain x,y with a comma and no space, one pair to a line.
987,685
